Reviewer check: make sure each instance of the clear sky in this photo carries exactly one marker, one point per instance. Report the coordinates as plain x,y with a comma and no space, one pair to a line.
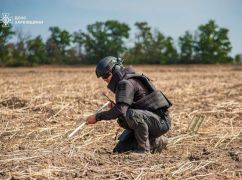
171,17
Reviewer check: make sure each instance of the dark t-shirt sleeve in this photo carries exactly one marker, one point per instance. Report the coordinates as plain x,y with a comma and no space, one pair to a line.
118,110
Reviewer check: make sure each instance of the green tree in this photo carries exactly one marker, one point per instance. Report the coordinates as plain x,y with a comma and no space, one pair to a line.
5,48
238,58
57,44
151,48
143,40
170,52
78,40
53,52
186,45
20,53
103,39
213,44
36,51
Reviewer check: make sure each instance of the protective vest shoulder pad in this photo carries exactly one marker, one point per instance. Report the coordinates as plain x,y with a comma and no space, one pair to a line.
145,80
124,92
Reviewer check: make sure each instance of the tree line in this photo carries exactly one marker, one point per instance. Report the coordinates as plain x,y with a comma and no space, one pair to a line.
209,44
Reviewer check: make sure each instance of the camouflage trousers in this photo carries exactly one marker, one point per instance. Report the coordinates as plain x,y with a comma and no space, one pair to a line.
142,128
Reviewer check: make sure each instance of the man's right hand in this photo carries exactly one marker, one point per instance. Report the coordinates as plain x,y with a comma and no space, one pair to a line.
91,119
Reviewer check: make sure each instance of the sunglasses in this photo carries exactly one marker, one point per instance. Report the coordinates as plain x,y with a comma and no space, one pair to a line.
105,76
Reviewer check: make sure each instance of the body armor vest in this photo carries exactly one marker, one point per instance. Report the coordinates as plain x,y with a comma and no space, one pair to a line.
153,101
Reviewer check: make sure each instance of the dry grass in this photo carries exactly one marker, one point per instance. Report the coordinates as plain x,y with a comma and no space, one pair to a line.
39,107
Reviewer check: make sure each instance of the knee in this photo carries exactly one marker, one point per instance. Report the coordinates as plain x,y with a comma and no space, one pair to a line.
134,119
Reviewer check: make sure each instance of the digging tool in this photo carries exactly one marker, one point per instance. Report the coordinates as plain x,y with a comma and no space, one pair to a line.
109,99
84,123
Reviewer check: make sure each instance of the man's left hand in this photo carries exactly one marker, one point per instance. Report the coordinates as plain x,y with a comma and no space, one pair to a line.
91,119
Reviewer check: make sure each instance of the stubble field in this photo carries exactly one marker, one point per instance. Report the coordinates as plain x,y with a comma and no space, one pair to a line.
39,107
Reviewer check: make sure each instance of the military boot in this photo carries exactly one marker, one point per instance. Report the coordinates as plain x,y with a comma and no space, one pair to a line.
158,144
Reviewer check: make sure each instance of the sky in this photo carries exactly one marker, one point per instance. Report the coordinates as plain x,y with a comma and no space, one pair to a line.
171,17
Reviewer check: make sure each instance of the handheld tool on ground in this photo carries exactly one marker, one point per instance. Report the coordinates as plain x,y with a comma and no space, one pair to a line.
84,123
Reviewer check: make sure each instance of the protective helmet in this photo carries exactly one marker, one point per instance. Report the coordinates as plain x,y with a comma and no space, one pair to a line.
107,65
